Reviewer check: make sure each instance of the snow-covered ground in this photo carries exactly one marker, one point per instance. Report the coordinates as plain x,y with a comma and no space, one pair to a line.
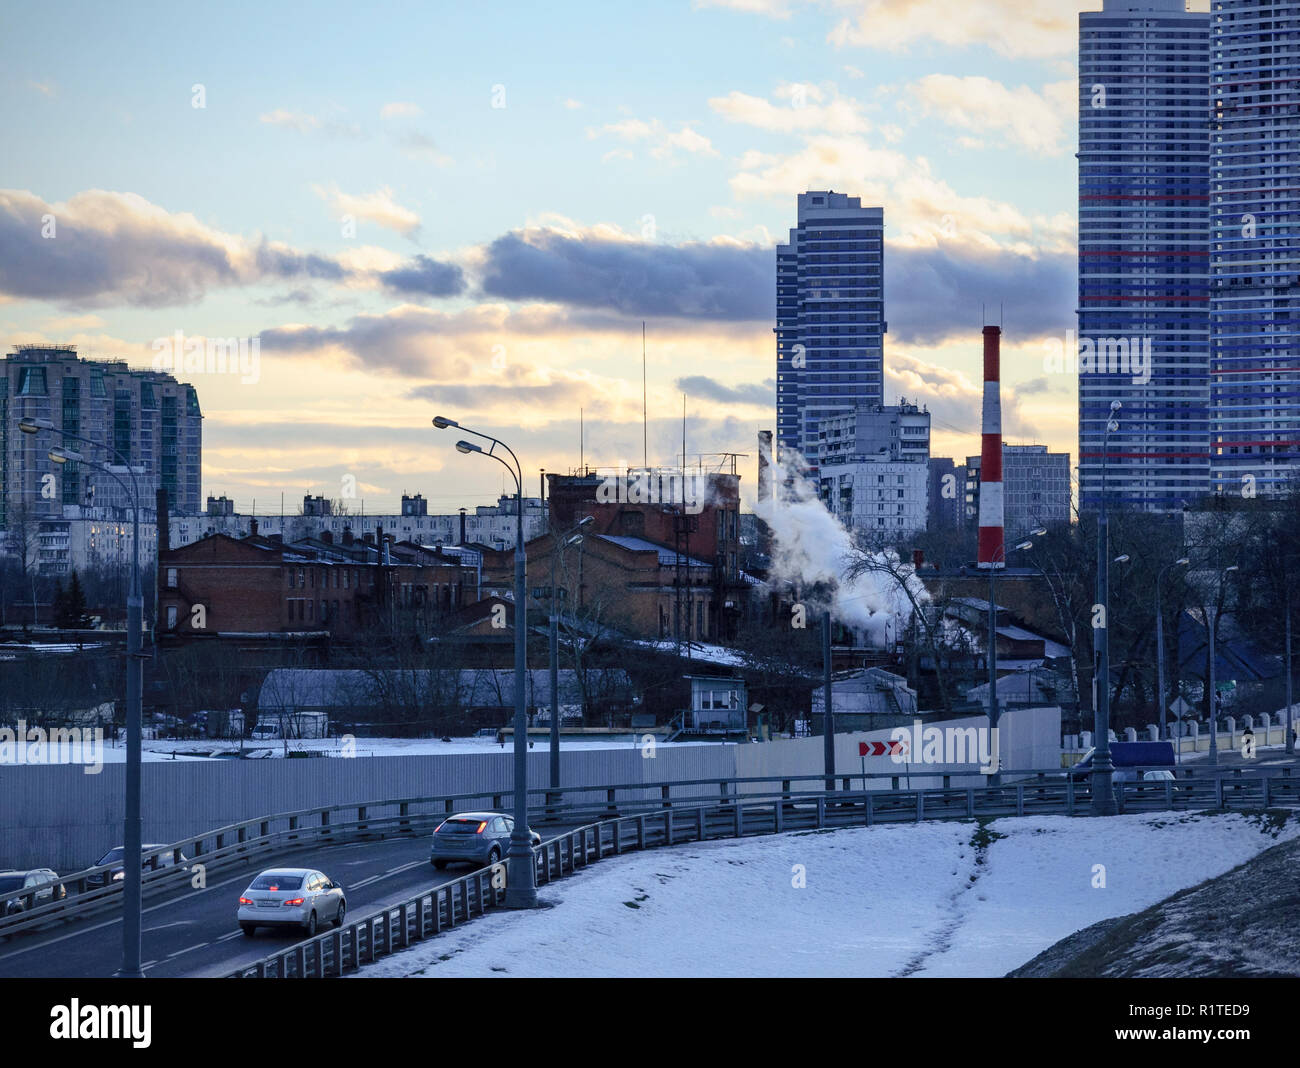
112,751
892,900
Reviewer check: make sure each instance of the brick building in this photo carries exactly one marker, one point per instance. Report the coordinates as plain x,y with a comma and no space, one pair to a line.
617,582
666,533
314,587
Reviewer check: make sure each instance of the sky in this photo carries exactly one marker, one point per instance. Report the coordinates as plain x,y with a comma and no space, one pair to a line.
469,210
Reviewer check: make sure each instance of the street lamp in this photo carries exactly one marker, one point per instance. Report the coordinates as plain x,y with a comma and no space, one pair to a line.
570,537
1212,626
1103,797
996,779
521,878
132,900
1182,561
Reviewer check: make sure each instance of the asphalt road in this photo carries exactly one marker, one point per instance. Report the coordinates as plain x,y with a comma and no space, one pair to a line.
194,932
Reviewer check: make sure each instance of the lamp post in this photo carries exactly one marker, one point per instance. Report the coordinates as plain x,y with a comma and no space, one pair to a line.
132,901
1000,557
1103,796
521,878
1212,625
570,537
1182,561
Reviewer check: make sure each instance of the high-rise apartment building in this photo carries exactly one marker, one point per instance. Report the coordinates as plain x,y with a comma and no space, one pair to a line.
873,471
149,419
1255,252
1143,336
830,320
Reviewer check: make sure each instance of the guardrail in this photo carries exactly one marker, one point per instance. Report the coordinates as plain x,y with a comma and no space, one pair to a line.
440,908
241,843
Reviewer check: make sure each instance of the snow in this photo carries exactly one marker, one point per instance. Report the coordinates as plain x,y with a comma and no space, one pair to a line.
890,900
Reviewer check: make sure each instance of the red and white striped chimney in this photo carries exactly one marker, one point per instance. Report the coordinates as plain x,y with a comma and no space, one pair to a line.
990,519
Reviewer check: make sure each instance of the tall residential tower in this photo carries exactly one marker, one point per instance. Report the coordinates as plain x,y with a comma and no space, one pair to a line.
1255,257
830,320
1143,254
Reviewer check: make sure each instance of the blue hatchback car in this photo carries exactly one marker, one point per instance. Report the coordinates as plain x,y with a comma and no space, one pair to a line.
477,838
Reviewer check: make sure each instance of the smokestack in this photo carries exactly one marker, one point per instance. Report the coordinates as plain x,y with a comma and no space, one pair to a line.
462,526
991,553
252,528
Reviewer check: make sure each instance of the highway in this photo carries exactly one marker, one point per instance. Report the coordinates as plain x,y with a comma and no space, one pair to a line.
194,933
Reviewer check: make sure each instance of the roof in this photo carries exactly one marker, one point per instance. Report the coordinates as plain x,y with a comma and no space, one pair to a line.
667,557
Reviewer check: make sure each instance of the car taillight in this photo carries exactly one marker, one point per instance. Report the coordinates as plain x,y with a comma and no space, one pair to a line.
294,901
440,826
245,901
480,827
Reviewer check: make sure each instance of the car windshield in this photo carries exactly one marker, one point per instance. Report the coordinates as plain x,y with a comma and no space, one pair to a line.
111,857
277,881
10,882
460,826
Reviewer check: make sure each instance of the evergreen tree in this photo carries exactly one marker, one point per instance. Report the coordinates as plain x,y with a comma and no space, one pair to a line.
70,606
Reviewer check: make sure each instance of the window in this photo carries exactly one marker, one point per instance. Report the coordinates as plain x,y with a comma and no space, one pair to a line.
171,617
171,578
32,382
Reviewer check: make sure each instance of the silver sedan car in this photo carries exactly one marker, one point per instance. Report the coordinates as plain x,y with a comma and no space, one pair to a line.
291,897
478,838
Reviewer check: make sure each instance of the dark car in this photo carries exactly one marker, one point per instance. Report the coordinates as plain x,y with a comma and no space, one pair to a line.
117,873
14,884
477,838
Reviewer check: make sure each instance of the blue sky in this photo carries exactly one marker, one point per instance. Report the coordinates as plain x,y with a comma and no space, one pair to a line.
501,258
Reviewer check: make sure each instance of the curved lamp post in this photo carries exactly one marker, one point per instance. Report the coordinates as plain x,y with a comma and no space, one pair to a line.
1212,626
569,537
131,837
521,878
1103,795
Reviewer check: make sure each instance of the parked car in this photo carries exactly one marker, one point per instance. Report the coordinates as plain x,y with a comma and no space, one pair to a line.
478,838
13,884
117,873
291,897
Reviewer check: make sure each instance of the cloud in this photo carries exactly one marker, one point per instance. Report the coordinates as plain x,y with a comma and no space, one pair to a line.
916,201
425,276
801,109
290,120
723,281
936,293
378,207
45,88
419,145
114,248
751,394
1041,122
663,142
1006,26
306,123
400,109
573,105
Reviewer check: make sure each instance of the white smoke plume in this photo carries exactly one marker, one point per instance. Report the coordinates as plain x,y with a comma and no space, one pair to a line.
811,547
